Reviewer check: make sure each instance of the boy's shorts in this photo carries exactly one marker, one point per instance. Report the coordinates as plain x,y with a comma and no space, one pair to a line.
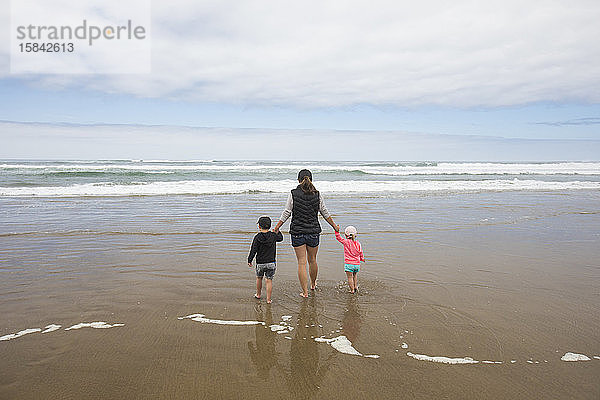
267,270
309,239
351,268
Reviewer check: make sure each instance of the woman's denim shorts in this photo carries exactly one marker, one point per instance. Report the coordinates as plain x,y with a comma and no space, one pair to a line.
309,239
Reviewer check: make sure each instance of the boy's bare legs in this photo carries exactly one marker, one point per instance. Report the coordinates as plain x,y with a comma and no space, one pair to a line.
269,283
313,268
258,287
301,256
350,281
355,276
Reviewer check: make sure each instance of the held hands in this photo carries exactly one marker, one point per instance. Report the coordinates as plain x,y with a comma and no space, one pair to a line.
336,228
250,265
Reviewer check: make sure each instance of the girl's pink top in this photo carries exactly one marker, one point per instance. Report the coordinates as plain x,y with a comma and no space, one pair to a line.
352,251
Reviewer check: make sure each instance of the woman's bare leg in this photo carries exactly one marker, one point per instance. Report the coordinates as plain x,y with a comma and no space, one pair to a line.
301,256
313,268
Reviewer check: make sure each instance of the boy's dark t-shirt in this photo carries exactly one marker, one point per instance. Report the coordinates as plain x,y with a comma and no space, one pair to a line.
264,247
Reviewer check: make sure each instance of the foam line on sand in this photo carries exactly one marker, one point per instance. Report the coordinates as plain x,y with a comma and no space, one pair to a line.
574,357
19,334
202,319
95,325
343,345
51,328
442,359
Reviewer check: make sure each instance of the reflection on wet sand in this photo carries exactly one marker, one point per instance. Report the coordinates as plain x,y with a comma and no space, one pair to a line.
262,351
352,319
307,371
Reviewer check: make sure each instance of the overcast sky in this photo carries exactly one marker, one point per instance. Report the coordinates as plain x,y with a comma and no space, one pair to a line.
512,69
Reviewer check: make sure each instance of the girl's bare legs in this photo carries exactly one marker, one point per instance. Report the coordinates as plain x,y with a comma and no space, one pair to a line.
350,281
313,268
258,287
301,256
355,276
269,289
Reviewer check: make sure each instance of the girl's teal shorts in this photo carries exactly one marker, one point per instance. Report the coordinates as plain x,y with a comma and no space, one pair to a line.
351,268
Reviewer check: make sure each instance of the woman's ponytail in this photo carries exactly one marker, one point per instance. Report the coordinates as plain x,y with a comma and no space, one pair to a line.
307,186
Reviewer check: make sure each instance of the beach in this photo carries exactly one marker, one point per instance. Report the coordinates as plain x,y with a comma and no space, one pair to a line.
479,279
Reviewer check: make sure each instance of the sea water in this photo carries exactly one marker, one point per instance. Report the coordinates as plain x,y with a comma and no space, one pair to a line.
489,262
156,177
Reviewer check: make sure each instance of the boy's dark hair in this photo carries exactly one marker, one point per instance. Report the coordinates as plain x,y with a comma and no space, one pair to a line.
264,222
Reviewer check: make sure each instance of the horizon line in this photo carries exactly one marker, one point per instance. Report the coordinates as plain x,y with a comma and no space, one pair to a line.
283,130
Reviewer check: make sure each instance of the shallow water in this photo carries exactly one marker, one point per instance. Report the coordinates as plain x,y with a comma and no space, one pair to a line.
500,277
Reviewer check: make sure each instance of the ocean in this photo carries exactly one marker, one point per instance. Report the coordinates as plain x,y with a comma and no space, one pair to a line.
128,279
162,177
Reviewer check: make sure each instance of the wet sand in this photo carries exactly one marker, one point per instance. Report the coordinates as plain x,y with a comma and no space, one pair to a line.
494,277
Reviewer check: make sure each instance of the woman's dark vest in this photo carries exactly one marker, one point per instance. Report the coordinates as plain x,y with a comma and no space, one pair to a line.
305,212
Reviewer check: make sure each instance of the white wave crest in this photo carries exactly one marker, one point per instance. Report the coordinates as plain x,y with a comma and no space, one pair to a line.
488,169
566,168
203,187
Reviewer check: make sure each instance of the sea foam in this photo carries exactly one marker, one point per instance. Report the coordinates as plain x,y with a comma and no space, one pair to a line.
19,334
51,328
95,325
441,359
574,357
200,318
393,169
343,345
207,187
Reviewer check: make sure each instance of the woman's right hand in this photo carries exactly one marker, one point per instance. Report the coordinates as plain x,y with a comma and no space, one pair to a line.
276,228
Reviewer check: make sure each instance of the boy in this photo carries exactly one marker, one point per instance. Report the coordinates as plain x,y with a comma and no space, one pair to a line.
264,247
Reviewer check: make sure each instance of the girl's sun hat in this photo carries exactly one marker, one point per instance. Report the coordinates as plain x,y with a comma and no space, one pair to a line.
350,231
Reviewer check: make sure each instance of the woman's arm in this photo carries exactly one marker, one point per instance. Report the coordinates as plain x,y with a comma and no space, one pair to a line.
276,229
326,214
287,212
333,225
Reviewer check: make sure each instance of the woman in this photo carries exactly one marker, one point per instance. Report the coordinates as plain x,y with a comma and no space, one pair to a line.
304,204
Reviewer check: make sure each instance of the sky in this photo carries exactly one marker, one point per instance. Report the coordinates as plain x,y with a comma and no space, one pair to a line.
494,80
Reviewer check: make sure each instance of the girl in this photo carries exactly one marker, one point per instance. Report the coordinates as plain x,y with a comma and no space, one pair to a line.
353,255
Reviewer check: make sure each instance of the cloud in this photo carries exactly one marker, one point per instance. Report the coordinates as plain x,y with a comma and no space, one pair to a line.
331,54
571,122
107,141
